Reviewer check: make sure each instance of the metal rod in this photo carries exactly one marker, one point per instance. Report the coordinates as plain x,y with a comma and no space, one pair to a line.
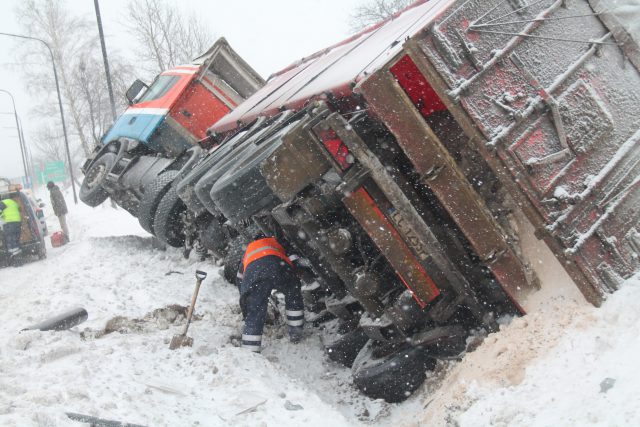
64,125
526,21
454,12
546,38
105,60
490,10
515,11
506,50
533,107
21,142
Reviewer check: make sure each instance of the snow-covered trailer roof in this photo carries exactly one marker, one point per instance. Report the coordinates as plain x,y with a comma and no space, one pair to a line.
337,69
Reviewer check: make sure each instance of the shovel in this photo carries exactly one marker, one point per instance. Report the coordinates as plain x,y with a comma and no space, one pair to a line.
183,340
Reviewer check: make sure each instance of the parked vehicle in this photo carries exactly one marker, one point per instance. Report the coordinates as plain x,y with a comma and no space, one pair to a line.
394,162
37,205
31,237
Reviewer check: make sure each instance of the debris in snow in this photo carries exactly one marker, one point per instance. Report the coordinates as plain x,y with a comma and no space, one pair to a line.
172,272
292,406
607,384
164,388
98,422
160,318
252,408
61,322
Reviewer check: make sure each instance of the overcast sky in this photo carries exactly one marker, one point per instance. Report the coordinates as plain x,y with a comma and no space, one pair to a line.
268,34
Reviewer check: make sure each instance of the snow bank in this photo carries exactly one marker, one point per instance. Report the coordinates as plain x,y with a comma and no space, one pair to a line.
134,377
568,365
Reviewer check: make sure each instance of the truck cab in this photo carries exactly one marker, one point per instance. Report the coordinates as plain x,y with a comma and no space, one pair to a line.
163,124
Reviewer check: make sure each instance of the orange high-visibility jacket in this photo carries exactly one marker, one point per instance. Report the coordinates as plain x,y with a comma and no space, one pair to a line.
262,248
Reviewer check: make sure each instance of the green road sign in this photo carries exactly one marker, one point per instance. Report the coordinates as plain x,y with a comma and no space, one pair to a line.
52,171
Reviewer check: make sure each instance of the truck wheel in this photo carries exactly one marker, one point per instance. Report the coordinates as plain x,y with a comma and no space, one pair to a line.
242,191
91,191
214,239
344,348
153,193
167,222
42,251
391,373
235,252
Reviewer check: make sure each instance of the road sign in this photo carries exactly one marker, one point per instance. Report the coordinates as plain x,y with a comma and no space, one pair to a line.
52,171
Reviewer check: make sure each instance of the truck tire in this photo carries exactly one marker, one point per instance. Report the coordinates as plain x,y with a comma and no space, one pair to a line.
392,375
42,251
91,191
344,348
231,154
167,222
153,194
213,238
220,162
242,191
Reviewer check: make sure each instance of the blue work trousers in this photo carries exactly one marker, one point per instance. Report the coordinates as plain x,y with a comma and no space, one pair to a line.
261,277
12,234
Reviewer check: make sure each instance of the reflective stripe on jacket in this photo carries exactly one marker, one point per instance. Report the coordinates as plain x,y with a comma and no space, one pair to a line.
262,248
12,211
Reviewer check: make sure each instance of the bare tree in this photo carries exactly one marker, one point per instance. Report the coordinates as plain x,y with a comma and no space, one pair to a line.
166,38
74,43
49,144
93,97
373,11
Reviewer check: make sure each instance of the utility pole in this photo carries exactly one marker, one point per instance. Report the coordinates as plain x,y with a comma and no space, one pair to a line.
104,58
64,125
28,157
21,141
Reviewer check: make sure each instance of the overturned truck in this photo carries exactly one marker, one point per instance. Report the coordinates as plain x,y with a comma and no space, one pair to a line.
394,163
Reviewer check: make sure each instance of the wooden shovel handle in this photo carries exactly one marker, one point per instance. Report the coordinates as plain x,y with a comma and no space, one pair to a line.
199,279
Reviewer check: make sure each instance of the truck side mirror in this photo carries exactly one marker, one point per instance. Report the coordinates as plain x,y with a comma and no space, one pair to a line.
135,91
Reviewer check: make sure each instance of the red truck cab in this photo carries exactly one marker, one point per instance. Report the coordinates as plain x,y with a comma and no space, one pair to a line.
174,112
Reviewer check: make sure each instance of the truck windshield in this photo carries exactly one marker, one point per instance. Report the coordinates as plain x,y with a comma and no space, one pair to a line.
159,88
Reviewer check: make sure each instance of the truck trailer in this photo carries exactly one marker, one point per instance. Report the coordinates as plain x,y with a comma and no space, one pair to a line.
403,163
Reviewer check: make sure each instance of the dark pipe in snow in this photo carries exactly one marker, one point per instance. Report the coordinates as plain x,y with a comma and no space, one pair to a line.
61,322
98,422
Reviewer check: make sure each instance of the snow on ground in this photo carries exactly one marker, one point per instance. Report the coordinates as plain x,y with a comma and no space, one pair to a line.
566,363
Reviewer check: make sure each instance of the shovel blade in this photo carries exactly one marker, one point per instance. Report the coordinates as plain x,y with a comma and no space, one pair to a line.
180,341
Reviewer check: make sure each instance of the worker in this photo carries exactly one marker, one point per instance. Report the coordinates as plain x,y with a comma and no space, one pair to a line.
59,207
265,267
12,220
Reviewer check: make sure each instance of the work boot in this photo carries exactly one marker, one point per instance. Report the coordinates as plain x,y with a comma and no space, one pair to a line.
295,334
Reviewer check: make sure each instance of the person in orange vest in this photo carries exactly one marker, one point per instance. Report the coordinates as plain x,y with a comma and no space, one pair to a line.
265,267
